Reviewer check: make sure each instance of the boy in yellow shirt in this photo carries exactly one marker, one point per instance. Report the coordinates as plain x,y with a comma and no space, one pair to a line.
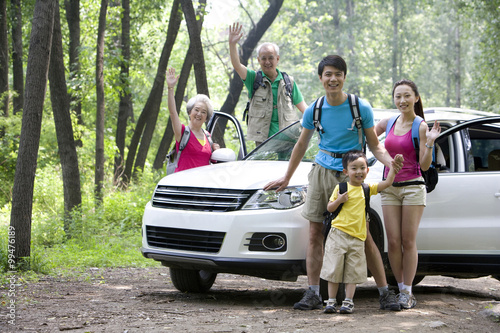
344,259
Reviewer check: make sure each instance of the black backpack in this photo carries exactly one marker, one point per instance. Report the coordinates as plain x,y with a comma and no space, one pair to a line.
431,175
356,116
330,216
259,83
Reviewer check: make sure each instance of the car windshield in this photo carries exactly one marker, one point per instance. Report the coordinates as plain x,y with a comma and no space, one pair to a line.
279,147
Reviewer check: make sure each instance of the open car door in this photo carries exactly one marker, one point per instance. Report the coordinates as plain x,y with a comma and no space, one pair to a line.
227,132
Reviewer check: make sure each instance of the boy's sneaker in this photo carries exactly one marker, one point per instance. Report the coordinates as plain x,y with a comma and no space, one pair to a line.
331,307
406,301
309,301
388,301
347,307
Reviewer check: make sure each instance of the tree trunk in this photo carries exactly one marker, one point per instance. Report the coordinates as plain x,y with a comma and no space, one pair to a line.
36,85
254,36
354,86
458,102
99,77
73,18
149,114
195,40
395,36
179,95
125,110
17,56
4,60
64,128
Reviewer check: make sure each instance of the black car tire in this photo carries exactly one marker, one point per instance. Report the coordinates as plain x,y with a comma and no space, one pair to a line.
195,281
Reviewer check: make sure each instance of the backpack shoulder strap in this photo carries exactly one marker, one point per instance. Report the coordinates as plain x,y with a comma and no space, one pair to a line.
390,123
318,105
184,138
257,82
209,138
356,116
366,189
415,135
288,84
342,189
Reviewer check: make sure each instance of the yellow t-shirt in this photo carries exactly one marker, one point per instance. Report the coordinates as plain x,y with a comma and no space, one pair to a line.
352,216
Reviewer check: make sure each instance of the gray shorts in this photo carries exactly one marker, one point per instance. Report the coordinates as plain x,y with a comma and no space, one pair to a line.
322,181
411,195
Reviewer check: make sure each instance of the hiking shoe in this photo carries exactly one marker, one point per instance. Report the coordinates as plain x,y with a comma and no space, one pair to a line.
347,307
331,307
388,301
309,301
406,301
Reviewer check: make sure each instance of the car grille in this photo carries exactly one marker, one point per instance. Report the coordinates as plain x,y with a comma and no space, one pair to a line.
185,239
200,199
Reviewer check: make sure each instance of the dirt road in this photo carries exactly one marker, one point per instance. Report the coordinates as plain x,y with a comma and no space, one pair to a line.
144,300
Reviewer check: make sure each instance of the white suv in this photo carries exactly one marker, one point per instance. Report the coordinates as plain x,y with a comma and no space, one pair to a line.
217,219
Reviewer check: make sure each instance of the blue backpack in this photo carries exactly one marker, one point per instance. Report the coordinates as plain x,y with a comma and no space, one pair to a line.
431,175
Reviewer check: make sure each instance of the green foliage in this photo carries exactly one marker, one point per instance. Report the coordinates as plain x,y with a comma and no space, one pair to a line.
10,131
305,30
107,236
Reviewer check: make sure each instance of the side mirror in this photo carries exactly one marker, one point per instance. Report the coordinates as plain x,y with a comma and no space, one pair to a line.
223,155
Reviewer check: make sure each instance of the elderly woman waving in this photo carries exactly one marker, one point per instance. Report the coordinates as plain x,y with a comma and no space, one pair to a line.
199,109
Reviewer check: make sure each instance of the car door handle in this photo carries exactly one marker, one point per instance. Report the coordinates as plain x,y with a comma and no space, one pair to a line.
497,195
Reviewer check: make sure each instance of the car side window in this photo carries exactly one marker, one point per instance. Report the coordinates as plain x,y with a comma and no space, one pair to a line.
485,147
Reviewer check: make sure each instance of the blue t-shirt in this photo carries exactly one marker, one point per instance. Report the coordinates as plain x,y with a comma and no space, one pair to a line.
341,134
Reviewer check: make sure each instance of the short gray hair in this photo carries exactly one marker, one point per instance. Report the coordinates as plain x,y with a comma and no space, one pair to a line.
203,99
276,48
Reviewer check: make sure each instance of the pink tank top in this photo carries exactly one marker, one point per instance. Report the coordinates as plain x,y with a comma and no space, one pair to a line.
403,145
194,154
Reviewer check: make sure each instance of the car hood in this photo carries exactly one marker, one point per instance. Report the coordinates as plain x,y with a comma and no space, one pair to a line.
237,175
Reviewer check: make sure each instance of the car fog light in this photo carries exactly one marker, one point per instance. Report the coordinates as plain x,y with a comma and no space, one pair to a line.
273,242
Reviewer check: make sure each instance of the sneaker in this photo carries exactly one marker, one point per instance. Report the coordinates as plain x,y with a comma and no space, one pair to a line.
331,307
309,301
406,301
388,301
347,307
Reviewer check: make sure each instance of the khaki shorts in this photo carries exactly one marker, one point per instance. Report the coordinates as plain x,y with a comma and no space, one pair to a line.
322,181
411,195
344,260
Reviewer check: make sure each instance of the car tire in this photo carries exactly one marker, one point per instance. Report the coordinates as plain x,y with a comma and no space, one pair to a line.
190,280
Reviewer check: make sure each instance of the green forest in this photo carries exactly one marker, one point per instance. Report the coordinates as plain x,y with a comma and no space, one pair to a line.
84,124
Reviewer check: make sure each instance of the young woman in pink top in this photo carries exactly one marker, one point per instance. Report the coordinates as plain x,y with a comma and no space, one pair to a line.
199,108
403,205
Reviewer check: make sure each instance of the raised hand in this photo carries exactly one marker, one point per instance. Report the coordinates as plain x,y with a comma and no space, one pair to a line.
235,33
171,78
434,132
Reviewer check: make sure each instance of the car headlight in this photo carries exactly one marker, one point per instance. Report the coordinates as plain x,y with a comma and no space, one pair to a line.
288,198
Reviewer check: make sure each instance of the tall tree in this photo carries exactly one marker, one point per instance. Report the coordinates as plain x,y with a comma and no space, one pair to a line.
36,85
179,96
64,128
99,78
150,111
4,60
17,55
395,36
125,110
73,17
195,40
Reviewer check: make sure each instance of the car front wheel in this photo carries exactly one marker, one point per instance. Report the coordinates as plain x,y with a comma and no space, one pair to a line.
189,280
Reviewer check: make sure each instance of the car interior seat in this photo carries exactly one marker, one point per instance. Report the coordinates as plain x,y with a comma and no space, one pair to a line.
494,160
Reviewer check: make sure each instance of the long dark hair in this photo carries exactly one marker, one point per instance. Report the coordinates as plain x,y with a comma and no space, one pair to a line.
419,108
